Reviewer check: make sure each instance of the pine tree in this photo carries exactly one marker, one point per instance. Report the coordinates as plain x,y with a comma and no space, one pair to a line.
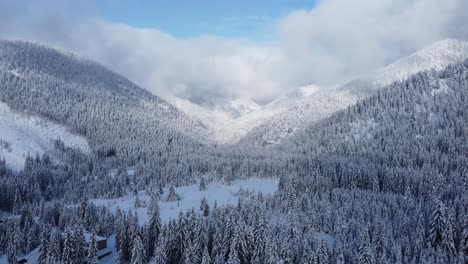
68,253
259,239
13,247
206,256
420,241
54,252
271,252
379,240
233,252
93,251
160,254
448,240
323,256
198,241
204,207
188,255
154,226
340,259
137,201
119,257
365,249
79,244
202,186
464,238
138,251
172,195
44,249
84,213
227,237
437,225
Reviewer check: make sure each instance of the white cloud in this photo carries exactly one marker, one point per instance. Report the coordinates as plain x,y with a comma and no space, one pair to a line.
341,38
334,41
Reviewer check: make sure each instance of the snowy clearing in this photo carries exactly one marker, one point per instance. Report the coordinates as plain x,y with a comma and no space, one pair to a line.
22,135
190,198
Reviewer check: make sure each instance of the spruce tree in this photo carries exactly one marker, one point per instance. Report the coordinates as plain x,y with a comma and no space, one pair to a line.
234,252
44,249
437,225
464,237
68,253
206,256
54,254
154,226
160,254
79,244
204,207
365,250
323,256
138,251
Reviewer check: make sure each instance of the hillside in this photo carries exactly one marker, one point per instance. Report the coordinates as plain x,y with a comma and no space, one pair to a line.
301,111
409,134
119,119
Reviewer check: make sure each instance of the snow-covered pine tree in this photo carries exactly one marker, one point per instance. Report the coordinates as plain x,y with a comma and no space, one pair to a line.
234,251
227,236
437,225
204,207
340,259
448,236
160,254
68,253
206,256
137,200
79,244
119,257
54,252
154,225
271,252
323,255
44,249
138,251
202,186
366,255
172,195
464,238
259,238
379,240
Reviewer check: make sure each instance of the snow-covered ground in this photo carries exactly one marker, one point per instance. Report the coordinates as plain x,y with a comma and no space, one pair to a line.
191,197
22,135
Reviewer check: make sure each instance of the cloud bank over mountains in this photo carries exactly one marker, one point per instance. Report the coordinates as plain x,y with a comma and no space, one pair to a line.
326,45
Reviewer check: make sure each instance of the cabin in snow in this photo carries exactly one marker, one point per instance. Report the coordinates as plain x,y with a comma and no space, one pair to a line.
103,249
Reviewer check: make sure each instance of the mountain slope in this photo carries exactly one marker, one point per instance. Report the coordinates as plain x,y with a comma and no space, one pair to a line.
411,133
27,135
118,118
313,106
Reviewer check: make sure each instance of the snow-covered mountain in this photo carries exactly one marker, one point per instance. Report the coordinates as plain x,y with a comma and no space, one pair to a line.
115,116
297,110
244,120
435,57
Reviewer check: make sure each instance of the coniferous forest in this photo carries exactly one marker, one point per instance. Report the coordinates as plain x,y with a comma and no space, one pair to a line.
383,181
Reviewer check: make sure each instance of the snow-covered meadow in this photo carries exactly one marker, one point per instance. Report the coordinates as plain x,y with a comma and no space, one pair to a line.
190,197
27,135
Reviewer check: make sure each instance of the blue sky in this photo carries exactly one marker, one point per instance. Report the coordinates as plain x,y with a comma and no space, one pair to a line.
253,20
